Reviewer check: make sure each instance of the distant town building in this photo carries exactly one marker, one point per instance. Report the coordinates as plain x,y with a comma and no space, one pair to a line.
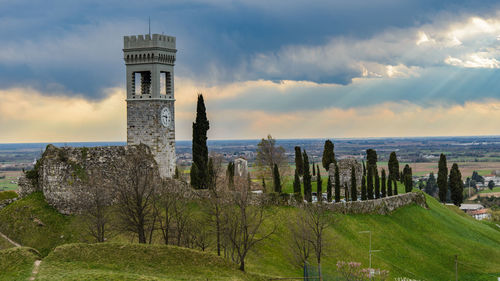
477,211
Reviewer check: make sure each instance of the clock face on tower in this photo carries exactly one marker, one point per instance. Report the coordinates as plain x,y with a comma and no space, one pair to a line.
165,117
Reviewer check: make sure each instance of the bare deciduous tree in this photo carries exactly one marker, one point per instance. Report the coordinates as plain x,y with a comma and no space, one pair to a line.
268,154
217,197
300,237
317,220
243,225
96,201
136,184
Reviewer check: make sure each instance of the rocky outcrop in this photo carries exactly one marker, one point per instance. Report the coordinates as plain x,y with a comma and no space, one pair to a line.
65,175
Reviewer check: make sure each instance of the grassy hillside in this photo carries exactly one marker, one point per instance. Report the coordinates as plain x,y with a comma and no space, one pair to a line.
118,261
34,223
17,263
414,242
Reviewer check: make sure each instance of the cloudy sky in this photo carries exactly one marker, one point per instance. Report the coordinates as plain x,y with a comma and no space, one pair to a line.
294,69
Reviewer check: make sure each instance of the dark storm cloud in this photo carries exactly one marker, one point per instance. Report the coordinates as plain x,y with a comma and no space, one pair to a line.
75,46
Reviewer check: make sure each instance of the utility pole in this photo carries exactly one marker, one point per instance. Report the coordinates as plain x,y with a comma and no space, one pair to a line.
456,267
370,251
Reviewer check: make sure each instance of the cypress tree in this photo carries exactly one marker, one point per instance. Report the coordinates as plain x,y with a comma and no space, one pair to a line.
442,179
389,186
337,183
329,189
314,169
395,183
393,166
211,174
363,188
354,190
296,182
264,184
384,190
299,162
249,181
328,155
407,178
230,175
307,178
430,185
346,188
276,179
177,174
456,185
199,175
319,186
371,159
369,182
377,185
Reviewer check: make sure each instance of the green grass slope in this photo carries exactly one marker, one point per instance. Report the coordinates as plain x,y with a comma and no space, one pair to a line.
118,261
34,223
415,242
17,263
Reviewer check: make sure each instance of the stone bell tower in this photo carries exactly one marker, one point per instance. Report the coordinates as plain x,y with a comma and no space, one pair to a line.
149,60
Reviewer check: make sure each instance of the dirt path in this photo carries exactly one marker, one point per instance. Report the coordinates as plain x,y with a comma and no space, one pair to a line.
10,241
488,194
36,267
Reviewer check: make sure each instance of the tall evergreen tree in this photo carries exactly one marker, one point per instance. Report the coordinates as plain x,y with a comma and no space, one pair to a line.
371,158
354,190
319,185
363,188
431,185
307,178
296,182
337,183
395,185
230,175
314,169
299,162
328,155
407,178
384,190
177,174
199,171
389,185
377,185
369,182
329,189
346,189
393,166
249,181
456,185
276,179
211,174
442,180
264,184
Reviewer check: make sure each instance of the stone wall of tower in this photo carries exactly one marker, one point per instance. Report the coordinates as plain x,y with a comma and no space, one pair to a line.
144,126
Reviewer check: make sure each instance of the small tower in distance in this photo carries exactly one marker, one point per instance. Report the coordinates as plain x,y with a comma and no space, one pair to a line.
149,64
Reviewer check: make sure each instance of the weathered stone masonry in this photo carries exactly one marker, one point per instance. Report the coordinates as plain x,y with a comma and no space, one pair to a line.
63,173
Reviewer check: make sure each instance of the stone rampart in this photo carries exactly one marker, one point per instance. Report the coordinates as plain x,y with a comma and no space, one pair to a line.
382,206
62,174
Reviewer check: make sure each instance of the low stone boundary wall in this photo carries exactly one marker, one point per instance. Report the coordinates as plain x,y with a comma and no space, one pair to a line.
382,206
